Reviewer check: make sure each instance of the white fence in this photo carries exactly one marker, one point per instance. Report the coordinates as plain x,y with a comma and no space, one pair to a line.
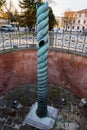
68,41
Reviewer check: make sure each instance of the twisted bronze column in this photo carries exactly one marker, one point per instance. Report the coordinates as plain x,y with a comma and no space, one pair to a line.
42,38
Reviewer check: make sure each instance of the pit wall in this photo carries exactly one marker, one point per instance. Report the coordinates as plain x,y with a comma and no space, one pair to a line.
19,68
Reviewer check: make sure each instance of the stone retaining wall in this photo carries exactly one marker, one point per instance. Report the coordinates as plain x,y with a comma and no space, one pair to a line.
20,68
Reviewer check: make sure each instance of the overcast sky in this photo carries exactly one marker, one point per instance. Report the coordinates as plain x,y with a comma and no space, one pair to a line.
62,5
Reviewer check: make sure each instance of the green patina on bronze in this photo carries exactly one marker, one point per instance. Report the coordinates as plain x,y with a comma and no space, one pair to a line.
42,38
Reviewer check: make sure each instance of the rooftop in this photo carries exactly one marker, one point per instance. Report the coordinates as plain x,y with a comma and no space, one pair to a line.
82,11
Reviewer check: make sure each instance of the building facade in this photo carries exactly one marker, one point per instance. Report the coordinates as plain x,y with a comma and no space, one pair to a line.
75,20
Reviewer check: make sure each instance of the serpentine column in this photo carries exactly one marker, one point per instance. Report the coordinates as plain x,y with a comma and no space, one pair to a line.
42,38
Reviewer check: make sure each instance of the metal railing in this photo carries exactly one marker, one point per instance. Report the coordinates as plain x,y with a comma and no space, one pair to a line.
13,40
22,39
69,41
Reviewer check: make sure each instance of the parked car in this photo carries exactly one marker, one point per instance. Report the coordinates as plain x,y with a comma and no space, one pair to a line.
7,28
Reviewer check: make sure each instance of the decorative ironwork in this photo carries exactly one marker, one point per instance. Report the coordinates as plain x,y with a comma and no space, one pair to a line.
22,39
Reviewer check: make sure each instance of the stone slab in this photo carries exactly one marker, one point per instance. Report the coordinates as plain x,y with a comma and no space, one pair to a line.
45,123
71,126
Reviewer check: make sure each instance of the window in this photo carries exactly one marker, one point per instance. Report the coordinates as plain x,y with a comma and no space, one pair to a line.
79,15
68,27
73,21
86,15
84,21
83,28
75,15
77,27
72,27
64,20
78,21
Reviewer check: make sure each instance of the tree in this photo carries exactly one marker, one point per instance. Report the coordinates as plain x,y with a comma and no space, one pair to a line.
2,2
8,14
8,9
14,17
52,20
5,15
28,16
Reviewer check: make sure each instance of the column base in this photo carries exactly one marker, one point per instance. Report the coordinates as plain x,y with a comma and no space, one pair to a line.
44,123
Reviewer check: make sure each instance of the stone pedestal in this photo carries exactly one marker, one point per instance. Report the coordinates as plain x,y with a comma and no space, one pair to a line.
45,123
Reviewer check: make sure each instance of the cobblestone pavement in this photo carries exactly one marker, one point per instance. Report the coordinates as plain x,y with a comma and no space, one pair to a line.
15,105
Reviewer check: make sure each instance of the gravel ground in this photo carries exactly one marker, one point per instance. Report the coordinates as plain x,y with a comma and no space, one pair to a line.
70,114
